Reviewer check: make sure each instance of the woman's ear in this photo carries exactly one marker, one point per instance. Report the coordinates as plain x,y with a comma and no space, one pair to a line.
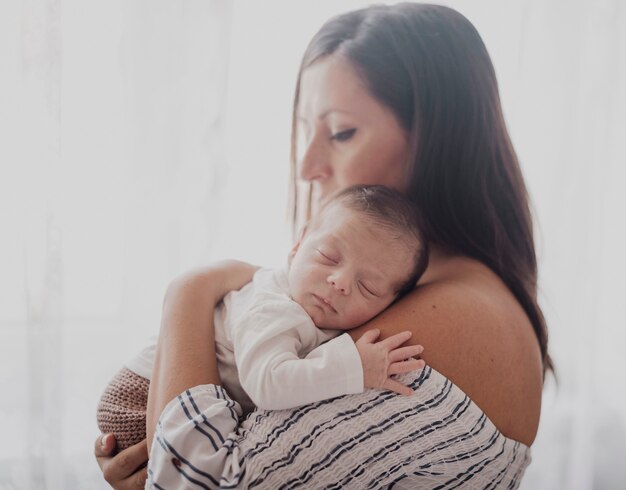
296,246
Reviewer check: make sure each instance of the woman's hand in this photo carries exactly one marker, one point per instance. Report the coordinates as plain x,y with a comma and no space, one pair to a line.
125,470
383,359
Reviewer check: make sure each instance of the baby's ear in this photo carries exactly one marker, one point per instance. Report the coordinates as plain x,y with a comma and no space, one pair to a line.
296,246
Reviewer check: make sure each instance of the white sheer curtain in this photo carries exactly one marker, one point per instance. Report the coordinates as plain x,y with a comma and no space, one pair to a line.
138,139
567,118
112,122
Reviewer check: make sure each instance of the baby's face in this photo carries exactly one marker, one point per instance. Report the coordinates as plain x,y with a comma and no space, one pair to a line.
346,270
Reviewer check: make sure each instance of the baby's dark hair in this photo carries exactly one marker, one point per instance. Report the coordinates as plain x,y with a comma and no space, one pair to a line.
393,212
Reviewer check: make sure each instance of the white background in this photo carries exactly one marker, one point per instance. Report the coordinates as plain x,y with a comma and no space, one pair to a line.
141,138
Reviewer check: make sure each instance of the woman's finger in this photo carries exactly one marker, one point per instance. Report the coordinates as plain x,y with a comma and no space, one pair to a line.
399,388
405,353
104,446
138,480
396,340
123,465
405,366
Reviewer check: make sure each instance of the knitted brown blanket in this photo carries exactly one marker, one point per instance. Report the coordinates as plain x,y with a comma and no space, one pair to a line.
122,408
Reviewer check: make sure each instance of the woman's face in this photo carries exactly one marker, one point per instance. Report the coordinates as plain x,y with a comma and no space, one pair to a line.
346,137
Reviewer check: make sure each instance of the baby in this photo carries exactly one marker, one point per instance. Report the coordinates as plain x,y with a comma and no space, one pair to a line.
278,339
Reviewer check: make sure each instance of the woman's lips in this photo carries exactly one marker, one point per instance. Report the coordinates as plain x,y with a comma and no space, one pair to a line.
324,302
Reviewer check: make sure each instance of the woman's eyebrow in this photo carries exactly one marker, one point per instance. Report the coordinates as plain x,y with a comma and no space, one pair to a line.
325,114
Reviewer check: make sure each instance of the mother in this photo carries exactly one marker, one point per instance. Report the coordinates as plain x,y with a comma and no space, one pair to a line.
404,96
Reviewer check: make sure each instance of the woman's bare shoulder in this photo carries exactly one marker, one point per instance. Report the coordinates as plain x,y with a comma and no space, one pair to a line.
475,333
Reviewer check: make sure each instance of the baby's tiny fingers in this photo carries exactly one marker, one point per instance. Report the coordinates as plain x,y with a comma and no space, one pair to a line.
369,337
396,340
399,388
405,353
405,366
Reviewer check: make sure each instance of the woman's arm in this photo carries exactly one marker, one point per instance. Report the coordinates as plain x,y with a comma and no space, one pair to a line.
182,305
185,353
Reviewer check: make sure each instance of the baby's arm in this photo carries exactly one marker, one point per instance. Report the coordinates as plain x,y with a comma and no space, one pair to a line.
267,346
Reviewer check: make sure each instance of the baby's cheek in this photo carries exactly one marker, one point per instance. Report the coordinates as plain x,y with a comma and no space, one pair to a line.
314,316
371,310
356,316
296,287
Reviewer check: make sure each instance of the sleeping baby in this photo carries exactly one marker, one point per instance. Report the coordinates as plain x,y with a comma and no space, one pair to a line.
280,340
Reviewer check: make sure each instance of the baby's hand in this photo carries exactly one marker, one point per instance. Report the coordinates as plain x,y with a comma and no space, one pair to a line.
382,359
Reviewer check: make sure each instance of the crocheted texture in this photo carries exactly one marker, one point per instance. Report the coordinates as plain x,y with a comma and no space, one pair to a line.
122,408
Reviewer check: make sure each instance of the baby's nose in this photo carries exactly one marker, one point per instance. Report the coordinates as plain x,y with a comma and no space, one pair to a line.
340,284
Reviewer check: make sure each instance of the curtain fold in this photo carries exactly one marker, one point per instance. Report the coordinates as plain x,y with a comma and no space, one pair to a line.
112,156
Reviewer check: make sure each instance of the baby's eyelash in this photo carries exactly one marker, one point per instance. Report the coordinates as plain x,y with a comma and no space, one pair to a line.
327,257
367,289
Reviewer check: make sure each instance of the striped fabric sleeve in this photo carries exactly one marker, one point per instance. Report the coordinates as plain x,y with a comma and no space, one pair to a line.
195,444
437,438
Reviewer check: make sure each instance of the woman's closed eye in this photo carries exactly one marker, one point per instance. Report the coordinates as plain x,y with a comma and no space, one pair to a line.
344,135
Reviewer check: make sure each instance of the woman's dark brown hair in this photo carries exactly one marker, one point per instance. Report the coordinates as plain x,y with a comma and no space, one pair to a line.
428,64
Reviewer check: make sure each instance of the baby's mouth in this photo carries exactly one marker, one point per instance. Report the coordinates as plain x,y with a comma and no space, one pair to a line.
325,302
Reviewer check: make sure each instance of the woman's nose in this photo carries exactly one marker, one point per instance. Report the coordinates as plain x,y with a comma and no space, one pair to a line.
340,282
314,163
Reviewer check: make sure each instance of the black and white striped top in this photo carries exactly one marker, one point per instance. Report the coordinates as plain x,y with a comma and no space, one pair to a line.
436,438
